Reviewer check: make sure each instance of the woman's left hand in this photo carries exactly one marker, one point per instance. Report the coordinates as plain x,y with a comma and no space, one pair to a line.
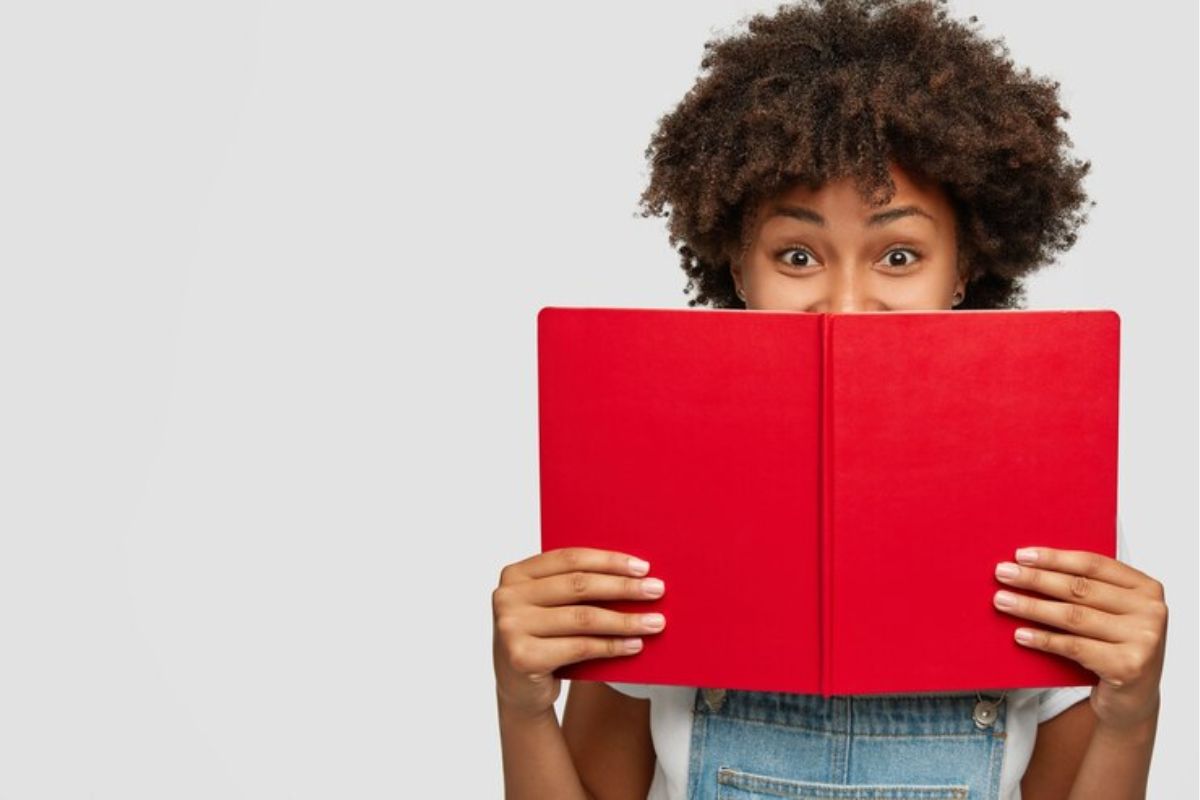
1115,618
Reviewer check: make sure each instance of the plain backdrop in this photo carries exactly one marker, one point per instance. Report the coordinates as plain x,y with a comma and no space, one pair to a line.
270,273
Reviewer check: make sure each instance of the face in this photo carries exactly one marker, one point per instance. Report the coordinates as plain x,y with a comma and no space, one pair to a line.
827,250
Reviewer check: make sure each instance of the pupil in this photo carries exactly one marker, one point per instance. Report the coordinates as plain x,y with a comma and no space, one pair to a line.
898,259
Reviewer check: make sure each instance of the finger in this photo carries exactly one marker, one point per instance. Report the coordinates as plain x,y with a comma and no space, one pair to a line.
1086,563
574,620
543,656
571,559
1088,653
1075,588
1071,617
575,587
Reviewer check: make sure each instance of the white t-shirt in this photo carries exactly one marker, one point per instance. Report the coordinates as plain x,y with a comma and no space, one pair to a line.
671,725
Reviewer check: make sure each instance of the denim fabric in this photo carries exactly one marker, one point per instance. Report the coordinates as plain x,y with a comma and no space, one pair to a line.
771,745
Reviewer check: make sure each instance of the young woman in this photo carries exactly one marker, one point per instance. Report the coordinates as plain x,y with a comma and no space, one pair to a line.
846,156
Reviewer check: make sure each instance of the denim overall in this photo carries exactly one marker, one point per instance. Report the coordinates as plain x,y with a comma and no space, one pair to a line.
771,745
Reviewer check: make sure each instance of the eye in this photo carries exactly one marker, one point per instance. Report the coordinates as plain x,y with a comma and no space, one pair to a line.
796,257
901,257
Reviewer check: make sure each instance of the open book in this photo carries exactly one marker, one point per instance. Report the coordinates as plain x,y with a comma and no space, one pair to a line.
826,495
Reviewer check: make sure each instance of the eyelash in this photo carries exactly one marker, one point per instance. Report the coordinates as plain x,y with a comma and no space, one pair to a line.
916,254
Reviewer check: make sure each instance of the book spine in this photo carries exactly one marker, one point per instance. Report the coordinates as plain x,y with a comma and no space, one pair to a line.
825,505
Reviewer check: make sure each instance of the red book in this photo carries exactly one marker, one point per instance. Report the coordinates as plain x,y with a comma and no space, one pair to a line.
826,495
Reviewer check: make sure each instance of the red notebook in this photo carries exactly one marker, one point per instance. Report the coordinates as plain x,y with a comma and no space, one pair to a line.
826,495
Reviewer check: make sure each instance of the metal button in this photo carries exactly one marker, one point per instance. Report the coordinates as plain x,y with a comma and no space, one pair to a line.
985,710
985,714
714,699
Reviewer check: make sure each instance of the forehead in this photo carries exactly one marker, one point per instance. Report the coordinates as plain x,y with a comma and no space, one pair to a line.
840,199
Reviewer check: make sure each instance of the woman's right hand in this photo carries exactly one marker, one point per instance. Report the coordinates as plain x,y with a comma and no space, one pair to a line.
541,621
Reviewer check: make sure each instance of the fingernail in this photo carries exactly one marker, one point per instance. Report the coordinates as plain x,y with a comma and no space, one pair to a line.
652,586
1027,555
633,644
1007,569
638,566
654,621
1023,636
1006,599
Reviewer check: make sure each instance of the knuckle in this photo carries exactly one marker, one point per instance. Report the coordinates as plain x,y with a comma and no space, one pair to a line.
585,616
520,656
507,575
500,599
578,583
1092,562
1072,648
576,650
1080,586
1077,617
572,557
1150,635
507,624
1158,611
1158,591
595,648
1130,666
632,623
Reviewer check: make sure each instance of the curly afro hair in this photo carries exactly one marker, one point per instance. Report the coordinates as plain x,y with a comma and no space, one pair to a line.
827,89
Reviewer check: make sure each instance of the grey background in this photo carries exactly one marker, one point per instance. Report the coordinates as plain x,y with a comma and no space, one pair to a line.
269,278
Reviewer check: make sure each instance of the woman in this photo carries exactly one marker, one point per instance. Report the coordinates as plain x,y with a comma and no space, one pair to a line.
846,156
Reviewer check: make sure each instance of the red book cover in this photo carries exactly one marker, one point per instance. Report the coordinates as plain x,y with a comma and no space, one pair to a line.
826,495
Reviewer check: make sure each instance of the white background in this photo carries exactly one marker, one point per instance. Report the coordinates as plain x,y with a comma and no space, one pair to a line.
269,281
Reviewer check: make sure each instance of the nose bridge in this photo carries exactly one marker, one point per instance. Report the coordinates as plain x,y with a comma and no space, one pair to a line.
846,287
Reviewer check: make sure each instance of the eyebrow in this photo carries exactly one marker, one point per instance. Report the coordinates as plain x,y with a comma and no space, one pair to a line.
875,221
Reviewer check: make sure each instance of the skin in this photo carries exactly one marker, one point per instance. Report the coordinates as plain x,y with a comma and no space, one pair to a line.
819,250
